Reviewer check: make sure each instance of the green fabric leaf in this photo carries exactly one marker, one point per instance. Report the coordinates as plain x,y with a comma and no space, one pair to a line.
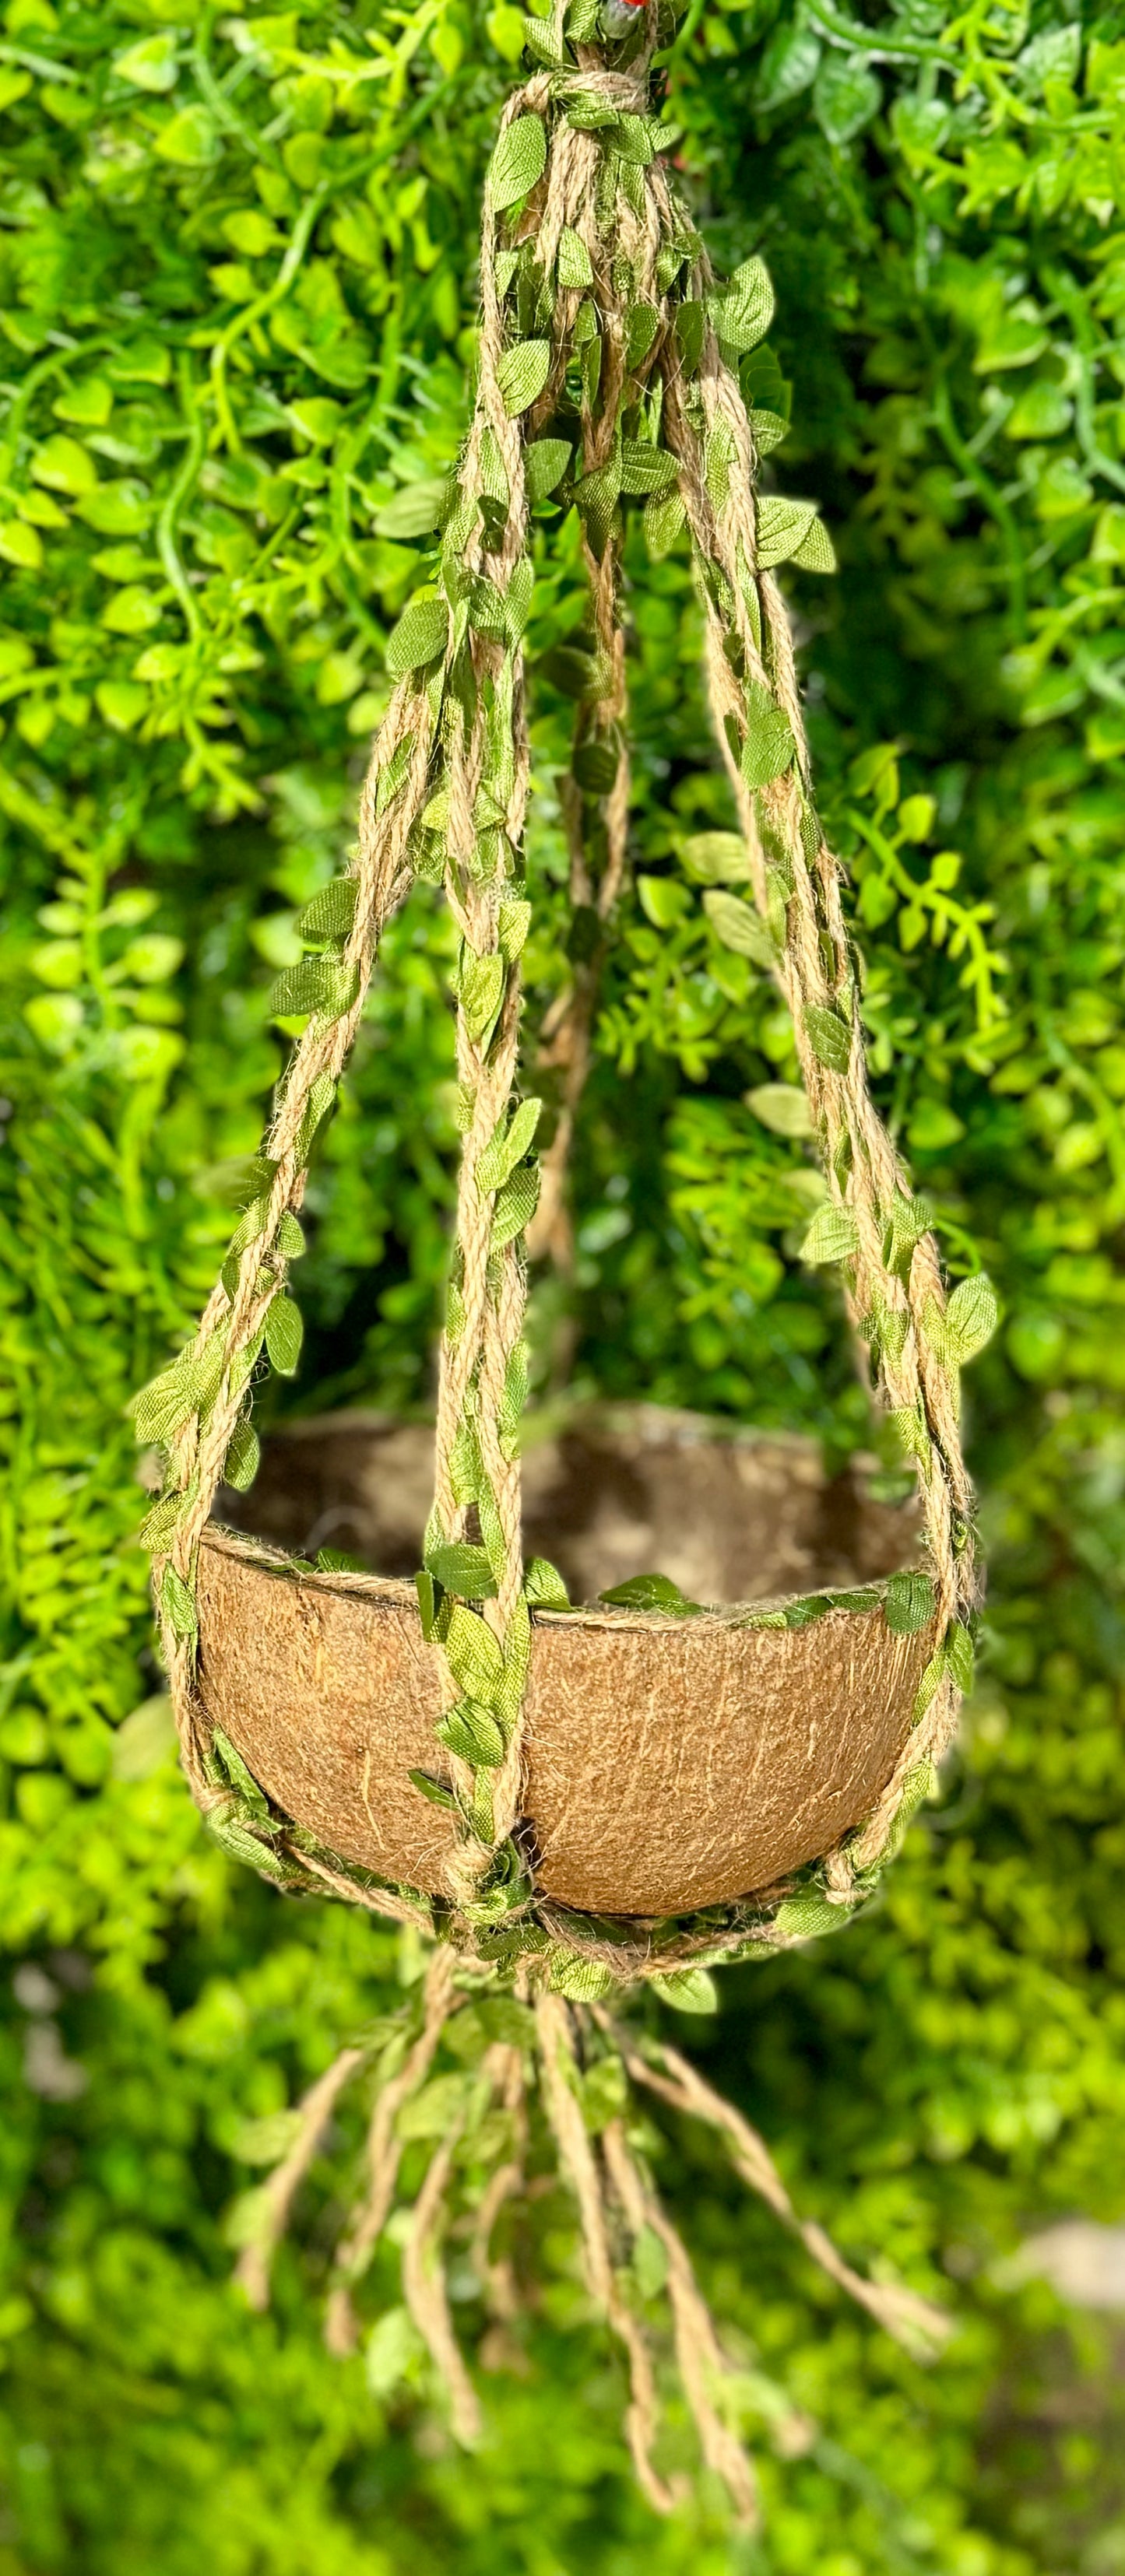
918,1785
159,1524
959,1655
418,638
633,141
331,913
782,527
164,1406
805,1613
512,929
429,1601
688,1990
290,1239
243,1363
507,1145
691,322
907,1221
738,926
251,1224
325,985
515,1205
596,496
645,468
743,309
241,1844
543,1586
458,1567
665,519
473,1655
816,552
392,773
589,113
514,1396
769,746
481,994
522,374
519,159
540,42
833,1234
433,1790
909,1426
240,1777
177,1602
486,608
653,1592
829,1037
573,267
581,1981
241,1463
284,1335
517,600
471,1731
806,1917
929,1686
971,1316
641,327
545,461
908,1603
320,1100
719,457
769,428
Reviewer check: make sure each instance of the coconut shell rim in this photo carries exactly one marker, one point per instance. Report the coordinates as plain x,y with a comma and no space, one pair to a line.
398,1592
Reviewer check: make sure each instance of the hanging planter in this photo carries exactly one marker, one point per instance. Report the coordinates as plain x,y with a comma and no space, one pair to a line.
670,1763
568,1800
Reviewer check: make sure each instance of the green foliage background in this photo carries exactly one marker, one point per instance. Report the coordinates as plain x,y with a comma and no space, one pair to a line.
237,299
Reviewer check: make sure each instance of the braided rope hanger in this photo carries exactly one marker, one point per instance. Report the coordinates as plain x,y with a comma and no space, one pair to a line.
596,293
599,309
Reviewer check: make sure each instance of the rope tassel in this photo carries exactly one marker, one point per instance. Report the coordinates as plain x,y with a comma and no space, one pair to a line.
553,2091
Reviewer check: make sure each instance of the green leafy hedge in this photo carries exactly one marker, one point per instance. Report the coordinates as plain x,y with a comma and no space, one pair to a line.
237,299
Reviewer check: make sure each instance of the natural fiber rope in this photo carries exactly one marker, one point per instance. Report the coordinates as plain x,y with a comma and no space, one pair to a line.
599,281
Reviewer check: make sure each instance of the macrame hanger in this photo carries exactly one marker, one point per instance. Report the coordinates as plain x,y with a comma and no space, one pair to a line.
596,295
608,367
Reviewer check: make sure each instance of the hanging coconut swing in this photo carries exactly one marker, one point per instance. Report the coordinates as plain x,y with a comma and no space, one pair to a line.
568,1800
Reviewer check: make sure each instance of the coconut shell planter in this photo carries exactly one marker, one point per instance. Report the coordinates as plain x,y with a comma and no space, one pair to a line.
331,1693
692,1766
